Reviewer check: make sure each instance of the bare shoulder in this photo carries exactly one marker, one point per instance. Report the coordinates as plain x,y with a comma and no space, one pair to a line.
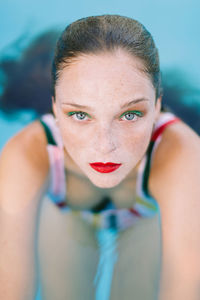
177,138
177,157
29,144
24,164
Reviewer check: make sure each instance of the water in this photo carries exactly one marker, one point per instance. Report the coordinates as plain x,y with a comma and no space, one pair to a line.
107,240
176,39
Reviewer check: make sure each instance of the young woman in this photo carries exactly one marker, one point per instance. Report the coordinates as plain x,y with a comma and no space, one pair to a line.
86,192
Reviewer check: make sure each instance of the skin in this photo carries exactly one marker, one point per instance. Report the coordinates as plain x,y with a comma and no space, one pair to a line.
106,136
105,133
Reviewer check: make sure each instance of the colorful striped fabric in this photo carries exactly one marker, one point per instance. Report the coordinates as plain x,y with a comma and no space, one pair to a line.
110,217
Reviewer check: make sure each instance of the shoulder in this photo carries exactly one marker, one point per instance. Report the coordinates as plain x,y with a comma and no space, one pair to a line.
176,159
24,164
29,144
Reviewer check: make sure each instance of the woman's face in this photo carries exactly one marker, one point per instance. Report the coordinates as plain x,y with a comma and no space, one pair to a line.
106,110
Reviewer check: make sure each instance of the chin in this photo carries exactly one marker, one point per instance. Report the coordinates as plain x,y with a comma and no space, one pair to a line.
106,183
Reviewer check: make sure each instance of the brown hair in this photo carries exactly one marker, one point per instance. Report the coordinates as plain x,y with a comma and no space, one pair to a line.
98,34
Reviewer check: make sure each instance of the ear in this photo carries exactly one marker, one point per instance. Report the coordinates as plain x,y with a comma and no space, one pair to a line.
54,108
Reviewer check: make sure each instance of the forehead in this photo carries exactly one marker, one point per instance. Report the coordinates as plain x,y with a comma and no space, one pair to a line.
104,76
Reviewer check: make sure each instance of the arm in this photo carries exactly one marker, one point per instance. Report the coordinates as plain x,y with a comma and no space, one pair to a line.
176,186
23,173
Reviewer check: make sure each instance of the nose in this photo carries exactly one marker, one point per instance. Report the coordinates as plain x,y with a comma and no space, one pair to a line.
105,141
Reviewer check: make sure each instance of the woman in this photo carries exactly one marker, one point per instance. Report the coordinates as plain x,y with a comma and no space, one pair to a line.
110,161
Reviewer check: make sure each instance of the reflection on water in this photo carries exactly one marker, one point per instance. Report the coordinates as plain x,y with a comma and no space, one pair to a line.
107,241
38,297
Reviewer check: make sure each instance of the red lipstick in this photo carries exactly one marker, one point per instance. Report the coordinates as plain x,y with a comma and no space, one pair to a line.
105,168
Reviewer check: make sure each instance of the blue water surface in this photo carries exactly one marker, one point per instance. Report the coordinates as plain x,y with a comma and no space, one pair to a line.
174,24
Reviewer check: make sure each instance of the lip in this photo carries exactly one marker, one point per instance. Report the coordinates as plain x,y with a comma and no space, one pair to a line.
105,168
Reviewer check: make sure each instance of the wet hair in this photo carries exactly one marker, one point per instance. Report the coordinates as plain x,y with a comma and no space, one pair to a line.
107,33
26,77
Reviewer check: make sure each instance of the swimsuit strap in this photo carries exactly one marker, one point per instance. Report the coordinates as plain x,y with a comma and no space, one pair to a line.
51,130
57,186
165,120
145,205
49,136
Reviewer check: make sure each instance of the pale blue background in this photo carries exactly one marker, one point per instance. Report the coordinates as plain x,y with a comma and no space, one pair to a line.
174,24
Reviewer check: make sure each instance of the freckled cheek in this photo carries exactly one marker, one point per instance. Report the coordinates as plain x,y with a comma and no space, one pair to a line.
75,139
136,140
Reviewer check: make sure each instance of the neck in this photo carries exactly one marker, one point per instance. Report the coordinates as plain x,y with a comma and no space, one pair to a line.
83,194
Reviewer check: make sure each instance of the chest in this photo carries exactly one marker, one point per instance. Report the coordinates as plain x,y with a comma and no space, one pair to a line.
81,194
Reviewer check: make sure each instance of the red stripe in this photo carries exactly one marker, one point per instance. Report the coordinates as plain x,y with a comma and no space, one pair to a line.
134,212
160,130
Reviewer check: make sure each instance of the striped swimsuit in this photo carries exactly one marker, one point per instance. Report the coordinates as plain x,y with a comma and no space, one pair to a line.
106,215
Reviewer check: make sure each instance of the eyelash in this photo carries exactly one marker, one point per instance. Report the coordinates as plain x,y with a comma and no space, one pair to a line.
134,112
72,113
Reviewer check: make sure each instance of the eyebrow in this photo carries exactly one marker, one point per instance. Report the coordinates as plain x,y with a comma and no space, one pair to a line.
134,102
123,106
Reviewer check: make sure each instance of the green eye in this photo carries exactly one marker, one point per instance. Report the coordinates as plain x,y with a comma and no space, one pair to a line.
131,115
78,115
